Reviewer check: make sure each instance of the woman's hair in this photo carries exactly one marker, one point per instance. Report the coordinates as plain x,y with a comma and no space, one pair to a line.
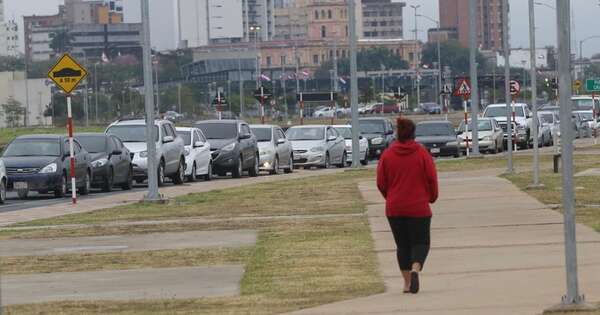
406,129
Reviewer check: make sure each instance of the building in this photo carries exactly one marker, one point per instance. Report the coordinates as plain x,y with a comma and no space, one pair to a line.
9,39
454,14
34,94
39,31
521,58
203,22
327,20
261,14
93,12
93,40
442,34
164,29
291,21
382,19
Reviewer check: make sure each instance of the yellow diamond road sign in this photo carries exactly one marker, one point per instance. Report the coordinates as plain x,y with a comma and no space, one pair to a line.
67,73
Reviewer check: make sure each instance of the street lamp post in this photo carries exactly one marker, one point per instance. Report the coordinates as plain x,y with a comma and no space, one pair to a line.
256,29
581,42
416,58
439,57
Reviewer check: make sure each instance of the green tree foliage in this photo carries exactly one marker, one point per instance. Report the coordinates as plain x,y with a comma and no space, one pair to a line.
12,64
61,41
13,112
371,59
453,55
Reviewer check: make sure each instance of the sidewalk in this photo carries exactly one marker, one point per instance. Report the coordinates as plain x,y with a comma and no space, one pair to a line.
495,250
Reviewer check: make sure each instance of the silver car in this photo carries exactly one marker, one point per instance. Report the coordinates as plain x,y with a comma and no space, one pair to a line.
274,148
3,182
317,145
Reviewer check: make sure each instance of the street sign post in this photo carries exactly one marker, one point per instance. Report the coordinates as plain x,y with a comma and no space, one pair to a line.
592,85
463,90
577,86
67,74
515,88
262,94
220,100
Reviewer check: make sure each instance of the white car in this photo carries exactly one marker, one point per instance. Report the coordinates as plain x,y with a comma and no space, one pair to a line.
169,149
198,159
325,112
274,148
550,120
346,132
585,103
522,121
317,145
3,182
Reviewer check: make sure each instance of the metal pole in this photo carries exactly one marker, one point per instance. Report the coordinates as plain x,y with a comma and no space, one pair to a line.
179,96
153,194
439,55
563,10
536,150
241,83
96,92
474,83
417,61
157,87
228,96
25,118
71,150
354,84
508,98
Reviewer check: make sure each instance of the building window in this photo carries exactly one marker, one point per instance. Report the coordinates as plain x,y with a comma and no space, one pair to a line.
323,31
269,61
347,31
316,59
329,14
316,15
283,60
323,14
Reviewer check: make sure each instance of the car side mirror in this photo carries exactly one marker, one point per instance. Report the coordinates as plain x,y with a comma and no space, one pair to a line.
117,152
280,141
332,138
168,139
245,136
198,144
360,137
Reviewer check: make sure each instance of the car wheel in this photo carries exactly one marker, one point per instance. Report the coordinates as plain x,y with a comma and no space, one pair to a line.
290,168
179,177
62,190
275,169
237,172
129,182
343,162
109,181
496,150
192,178
161,174
23,193
253,172
327,161
85,189
2,192
208,176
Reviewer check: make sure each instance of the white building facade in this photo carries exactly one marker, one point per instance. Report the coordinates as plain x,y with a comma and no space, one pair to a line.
34,94
204,22
9,35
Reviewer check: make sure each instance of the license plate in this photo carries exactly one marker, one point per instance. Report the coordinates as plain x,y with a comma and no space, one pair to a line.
435,150
21,186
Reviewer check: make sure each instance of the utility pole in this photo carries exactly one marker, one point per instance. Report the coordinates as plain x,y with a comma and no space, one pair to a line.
153,194
417,61
241,84
25,112
96,92
179,97
563,10
354,84
508,97
536,150
473,26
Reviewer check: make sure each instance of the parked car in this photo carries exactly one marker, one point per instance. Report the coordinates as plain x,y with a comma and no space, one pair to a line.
584,123
3,183
274,148
491,136
439,137
379,132
346,132
317,145
174,116
169,149
586,103
110,161
324,112
431,108
385,109
233,147
522,121
544,132
198,159
42,163
550,120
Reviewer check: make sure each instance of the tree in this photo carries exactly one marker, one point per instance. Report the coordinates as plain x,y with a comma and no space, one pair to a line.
372,59
13,112
61,41
453,55
12,64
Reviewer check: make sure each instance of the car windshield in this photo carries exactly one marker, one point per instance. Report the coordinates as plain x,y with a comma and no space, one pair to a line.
33,147
93,144
186,136
482,125
583,104
345,132
218,131
131,133
299,134
500,111
262,134
431,130
547,118
372,126
586,116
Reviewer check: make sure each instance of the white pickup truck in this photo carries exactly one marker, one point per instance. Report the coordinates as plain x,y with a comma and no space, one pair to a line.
522,121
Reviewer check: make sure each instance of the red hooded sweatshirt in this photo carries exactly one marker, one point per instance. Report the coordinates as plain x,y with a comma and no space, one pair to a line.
407,179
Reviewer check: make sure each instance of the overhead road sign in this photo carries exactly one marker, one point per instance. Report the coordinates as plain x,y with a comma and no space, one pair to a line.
592,85
67,73
316,97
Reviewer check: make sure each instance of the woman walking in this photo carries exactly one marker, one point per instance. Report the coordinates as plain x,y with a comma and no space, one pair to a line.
407,179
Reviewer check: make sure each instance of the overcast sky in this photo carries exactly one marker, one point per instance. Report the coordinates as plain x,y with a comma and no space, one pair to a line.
585,20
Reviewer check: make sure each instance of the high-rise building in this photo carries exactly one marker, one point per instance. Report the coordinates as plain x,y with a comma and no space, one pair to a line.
258,14
291,21
93,12
1,11
39,31
382,19
454,14
9,35
204,22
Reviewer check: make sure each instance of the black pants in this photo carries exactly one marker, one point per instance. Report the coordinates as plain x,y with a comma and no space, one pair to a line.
412,236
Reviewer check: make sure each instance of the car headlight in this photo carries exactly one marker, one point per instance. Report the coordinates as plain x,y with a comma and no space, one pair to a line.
488,138
229,147
186,151
48,169
144,154
452,144
99,163
317,149
377,141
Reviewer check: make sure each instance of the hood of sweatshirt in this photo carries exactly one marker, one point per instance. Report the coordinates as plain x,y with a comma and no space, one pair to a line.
404,148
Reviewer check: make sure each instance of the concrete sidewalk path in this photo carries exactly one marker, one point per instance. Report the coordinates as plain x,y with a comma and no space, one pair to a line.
123,285
495,250
127,243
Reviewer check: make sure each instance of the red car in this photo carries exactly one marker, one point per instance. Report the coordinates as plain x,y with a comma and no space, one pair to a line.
385,109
